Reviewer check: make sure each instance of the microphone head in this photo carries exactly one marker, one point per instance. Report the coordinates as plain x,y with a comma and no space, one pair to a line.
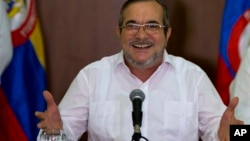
137,93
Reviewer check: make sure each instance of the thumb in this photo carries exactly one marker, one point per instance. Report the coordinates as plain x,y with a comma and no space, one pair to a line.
228,115
231,108
233,103
48,98
227,119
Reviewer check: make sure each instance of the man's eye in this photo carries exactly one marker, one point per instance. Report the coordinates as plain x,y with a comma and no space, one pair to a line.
152,26
131,26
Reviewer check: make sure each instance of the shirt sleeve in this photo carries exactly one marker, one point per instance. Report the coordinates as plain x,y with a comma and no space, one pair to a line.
211,109
74,107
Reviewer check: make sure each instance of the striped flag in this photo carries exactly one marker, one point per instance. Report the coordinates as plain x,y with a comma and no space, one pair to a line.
24,80
235,37
5,39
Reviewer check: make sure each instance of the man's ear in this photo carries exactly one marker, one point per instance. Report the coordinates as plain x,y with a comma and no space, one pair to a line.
118,31
168,33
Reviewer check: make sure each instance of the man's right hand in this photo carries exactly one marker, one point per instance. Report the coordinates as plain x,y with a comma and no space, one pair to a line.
49,119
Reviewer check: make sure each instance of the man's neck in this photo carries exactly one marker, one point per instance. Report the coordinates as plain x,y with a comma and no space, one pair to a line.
144,73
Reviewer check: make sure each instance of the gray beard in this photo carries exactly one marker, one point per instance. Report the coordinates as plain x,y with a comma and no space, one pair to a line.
144,65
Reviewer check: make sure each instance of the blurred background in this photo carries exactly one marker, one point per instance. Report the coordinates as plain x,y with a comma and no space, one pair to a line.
78,32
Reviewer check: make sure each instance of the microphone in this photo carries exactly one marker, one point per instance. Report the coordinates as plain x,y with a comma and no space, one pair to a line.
137,97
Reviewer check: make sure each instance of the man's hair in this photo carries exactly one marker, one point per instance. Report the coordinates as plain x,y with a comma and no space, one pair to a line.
165,19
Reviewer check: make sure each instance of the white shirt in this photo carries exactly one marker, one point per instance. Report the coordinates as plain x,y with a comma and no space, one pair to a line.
5,39
180,102
240,87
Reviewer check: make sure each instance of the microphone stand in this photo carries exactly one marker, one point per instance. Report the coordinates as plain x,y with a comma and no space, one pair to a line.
137,133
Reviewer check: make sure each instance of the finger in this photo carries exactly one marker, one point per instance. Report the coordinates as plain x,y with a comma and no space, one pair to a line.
233,103
48,98
229,112
42,125
40,115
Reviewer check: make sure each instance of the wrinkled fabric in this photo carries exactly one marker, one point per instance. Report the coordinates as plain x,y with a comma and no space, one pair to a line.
180,102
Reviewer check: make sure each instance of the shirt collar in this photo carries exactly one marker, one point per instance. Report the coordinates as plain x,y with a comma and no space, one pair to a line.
119,59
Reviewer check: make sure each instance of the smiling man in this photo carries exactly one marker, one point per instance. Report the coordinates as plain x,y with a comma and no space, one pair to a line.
181,103
144,34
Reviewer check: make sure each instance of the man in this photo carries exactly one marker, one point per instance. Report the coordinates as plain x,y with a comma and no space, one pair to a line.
240,87
5,39
180,101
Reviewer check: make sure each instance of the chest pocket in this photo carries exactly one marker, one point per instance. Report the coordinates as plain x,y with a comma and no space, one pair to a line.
104,119
180,119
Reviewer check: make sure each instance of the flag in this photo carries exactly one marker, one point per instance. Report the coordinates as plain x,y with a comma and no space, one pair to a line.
233,43
24,80
5,39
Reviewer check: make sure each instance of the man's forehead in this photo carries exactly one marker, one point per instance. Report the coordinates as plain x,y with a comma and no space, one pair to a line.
145,11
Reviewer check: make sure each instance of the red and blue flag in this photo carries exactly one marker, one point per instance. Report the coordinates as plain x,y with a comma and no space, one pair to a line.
235,38
24,79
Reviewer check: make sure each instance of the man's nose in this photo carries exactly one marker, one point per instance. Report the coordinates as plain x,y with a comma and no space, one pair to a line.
141,33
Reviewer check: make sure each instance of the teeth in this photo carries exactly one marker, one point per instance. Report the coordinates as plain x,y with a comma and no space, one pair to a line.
141,46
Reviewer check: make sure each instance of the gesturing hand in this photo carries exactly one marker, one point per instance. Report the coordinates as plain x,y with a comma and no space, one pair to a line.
49,119
227,119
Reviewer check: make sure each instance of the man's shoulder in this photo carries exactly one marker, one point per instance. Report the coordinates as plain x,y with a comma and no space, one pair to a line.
104,63
181,63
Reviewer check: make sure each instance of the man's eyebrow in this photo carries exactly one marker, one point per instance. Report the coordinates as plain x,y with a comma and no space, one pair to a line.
130,21
133,21
153,21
